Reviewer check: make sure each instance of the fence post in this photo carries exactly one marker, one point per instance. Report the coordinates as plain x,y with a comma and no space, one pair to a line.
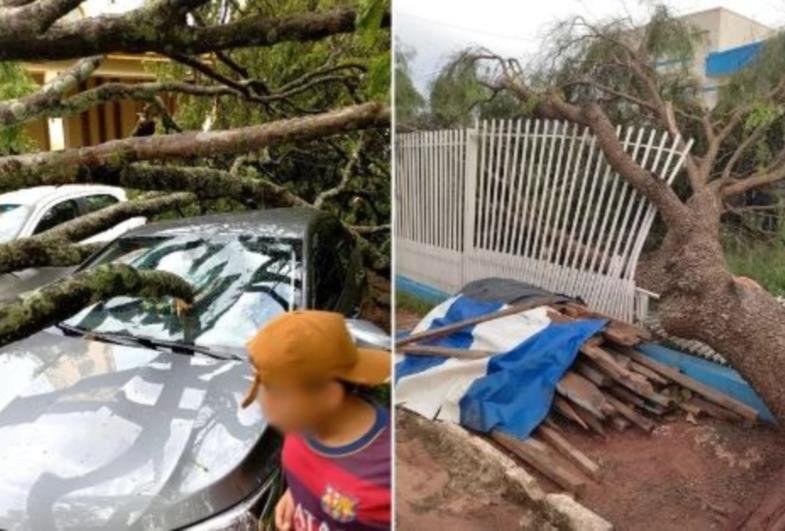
469,199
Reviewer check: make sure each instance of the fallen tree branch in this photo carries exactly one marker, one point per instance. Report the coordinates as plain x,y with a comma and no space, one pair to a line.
97,222
151,29
56,247
86,164
26,108
41,105
346,175
43,252
65,297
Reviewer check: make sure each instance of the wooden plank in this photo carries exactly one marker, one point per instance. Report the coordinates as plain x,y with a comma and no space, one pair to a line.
616,331
568,451
584,393
536,454
648,373
628,413
625,395
460,325
634,381
707,392
594,423
592,373
619,423
567,411
449,352
714,410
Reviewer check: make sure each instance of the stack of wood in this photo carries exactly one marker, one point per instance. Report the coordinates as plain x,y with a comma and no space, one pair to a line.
611,386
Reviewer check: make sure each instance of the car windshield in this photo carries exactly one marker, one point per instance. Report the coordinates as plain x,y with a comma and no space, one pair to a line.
241,282
12,217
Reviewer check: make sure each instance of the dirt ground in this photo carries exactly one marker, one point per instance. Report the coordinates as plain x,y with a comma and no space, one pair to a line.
433,493
684,477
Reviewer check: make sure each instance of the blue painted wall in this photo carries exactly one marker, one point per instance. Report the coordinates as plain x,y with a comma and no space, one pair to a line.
729,61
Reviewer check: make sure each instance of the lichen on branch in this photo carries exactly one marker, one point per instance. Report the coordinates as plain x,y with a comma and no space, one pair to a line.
66,297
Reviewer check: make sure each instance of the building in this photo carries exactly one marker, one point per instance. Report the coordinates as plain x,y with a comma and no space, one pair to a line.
101,123
104,122
730,40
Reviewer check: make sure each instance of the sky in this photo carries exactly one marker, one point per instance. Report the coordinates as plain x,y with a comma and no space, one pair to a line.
514,28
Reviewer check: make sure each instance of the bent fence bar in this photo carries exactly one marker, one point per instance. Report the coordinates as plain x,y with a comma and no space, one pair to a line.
533,200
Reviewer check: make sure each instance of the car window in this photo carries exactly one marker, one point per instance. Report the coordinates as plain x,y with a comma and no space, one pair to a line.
240,282
12,218
331,258
59,213
97,202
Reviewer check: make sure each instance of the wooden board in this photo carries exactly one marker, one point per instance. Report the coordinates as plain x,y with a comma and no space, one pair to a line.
581,391
534,453
567,450
448,352
460,325
707,392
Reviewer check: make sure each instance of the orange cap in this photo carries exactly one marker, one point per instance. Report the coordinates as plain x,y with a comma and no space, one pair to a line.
309,345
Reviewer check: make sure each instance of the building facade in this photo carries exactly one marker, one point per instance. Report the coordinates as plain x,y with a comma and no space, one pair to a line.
729,41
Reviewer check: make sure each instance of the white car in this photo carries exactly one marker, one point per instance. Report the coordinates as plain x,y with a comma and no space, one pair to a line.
31,211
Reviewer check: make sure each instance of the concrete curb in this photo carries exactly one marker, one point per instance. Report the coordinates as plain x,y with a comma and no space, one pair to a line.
562,510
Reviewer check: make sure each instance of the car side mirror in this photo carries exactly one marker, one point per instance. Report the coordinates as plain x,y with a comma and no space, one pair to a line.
367,334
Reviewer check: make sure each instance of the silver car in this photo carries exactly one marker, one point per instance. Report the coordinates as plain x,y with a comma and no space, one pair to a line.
127,414
30,211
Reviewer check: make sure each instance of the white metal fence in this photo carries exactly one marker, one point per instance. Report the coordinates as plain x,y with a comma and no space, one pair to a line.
533,200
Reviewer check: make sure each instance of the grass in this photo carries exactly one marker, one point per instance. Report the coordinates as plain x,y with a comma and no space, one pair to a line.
761,261
405,301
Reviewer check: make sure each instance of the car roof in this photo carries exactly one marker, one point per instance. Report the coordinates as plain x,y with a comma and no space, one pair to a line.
36,194
284,222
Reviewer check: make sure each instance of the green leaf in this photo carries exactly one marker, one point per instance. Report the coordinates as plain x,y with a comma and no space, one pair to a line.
379,76
369,18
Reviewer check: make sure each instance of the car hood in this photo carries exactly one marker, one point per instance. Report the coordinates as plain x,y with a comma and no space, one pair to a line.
98,435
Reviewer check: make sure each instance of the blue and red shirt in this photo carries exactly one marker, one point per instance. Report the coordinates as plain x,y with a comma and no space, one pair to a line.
343,488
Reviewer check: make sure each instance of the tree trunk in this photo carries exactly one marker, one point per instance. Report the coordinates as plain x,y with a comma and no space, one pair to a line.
68,296
701,300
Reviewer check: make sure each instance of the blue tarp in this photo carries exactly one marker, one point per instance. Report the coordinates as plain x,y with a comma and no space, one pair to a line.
511,390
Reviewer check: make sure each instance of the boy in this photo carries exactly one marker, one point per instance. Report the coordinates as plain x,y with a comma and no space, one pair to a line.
336,453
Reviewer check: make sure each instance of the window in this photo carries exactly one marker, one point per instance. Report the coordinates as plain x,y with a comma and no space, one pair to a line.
12,218
60,213
97,202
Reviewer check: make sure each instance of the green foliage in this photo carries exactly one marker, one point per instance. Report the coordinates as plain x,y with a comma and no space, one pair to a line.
458,97
753,83
14,83
379,77
369,18
763,261
454,94
405,301
409,103
358,66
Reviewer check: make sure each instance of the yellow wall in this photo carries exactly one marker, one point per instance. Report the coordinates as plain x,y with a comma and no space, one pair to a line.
105,122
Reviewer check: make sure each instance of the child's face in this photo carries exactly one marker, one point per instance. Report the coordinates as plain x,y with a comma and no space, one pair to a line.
297,406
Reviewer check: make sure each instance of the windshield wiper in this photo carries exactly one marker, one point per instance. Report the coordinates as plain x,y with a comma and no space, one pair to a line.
188,347
144,341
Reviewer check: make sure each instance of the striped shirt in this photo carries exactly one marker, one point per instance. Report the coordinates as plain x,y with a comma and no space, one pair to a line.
343,488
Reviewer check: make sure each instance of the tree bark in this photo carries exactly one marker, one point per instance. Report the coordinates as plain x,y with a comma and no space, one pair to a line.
154,30
86,164
66,297
55,247
701,300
